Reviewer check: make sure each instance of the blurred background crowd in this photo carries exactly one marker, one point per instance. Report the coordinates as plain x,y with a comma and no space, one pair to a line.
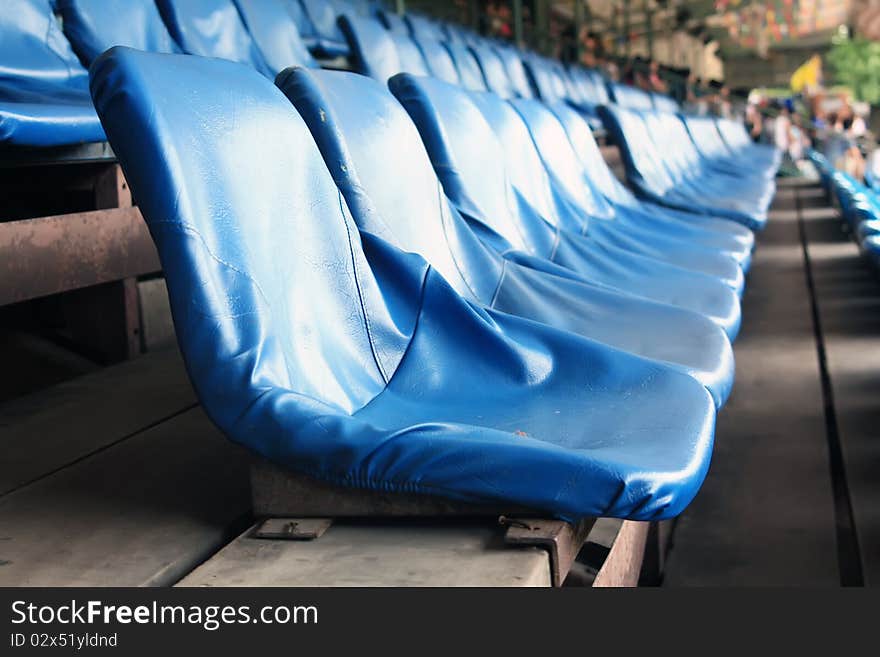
798,73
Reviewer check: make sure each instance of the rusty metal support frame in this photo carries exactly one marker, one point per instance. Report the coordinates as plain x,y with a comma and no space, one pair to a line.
48,255
561,539
292,529
94,257
298,507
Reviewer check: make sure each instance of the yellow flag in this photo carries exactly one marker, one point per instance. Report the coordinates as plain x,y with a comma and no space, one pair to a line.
807,74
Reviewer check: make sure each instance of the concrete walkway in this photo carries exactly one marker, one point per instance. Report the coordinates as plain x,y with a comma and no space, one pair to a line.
769,513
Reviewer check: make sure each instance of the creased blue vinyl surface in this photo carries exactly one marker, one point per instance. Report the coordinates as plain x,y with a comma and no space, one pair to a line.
723,233
352,136
337,354
500,184
213,28
93,26
601,220
673,176
44,99
275,32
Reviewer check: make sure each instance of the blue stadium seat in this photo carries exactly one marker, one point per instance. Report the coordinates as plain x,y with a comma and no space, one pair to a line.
741,145
394,22
742,188
337,355
493,69
629,97
93,26
656,175
438,232
422,27
722,236
722,233
540,78
664,103
275,32
373,50
328,40
708,142
594,215
516,72
469,73
304,27
410,55
439,60
44,98
518,205
213,28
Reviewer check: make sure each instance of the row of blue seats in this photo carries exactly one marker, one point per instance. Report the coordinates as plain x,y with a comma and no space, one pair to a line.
407,285
43,96
859,205
631,115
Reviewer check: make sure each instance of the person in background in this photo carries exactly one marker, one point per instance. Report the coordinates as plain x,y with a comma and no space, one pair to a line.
782,129
754,122
723,106
611,71
857,127
799,141
654,80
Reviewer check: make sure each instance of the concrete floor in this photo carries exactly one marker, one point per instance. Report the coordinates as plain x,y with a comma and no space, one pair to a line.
790,499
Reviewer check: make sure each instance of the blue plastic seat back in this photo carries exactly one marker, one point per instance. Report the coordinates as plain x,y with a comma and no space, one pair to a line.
323,15
33,49
665,103
671,138
439,60
422,27
363,8
304,26
393,22
566,172
466,154
643,163
44,99
379,162
450,32
275,32
372,47
706,136
93,26
516,72
261,260
557,78
493,70
600,88
630,97
469,72
587,151
521,158
733,134
573,89
212,28
409,55
541,78
585,85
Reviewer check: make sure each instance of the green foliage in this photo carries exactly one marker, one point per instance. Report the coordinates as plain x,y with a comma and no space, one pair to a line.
856,64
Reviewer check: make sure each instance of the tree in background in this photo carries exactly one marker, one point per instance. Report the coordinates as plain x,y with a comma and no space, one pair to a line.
856,64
